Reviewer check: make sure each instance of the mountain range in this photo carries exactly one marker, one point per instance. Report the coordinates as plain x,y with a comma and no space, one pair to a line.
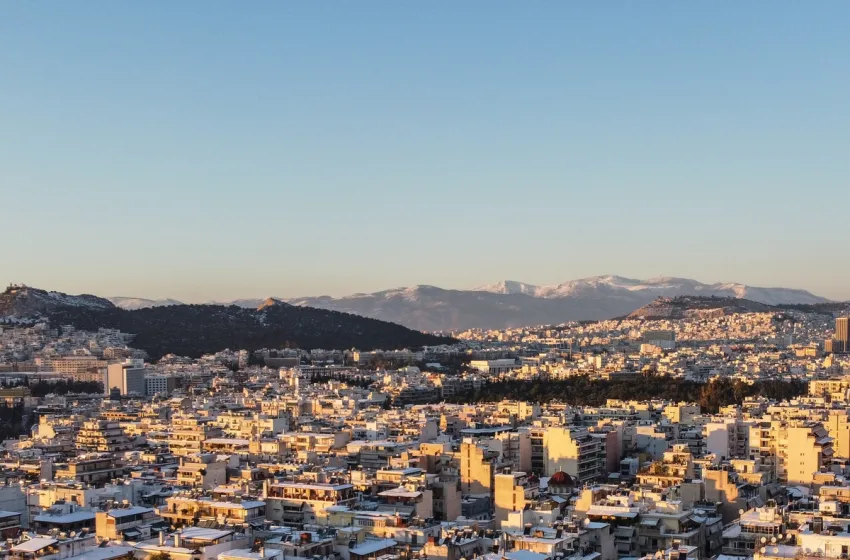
194,330
513,304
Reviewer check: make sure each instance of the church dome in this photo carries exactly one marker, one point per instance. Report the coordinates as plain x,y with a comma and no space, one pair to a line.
561,478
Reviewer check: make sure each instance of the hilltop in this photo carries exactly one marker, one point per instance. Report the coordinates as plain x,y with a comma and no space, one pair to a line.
193,330
21,302
682,307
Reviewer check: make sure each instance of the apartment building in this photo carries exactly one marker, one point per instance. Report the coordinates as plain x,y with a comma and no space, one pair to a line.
188,434
297,503
126,523
837,424
201,471
793,450
574,451
477,469
495,367
727,438
102,436
71,365
183,510
159,384
248,424
91,470
512,491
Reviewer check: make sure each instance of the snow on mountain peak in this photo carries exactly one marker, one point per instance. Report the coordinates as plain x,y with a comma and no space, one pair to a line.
131,303
618,286
509,287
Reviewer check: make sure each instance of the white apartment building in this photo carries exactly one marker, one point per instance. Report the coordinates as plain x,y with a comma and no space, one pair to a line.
495,367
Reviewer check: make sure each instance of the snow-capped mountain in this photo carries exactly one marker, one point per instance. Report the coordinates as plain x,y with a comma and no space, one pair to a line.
511,287
667,286
513,304
131,303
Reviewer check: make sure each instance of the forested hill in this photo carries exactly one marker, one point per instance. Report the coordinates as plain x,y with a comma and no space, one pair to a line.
193,330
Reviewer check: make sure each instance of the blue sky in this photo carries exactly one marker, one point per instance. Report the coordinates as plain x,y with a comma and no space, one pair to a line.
210,149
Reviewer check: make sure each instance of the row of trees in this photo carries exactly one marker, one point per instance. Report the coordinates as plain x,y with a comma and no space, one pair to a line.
65,386
582,390
354,381
14,421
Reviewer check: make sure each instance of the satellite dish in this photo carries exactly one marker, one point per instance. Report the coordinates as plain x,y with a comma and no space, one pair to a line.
740,512
762,550
586,521
775,549
773,539
763,540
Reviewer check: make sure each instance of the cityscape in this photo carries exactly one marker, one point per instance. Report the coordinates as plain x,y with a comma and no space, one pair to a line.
696,427
254,294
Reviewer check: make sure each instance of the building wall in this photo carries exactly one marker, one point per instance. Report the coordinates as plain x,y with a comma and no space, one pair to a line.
717,438
838,425
476,474
125,378
803,460
508,497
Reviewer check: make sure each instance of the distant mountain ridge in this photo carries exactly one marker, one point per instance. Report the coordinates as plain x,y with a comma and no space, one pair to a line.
666,286
193,330
513,304
130,303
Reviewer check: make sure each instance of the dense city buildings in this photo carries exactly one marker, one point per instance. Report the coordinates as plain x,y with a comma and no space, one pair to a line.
518,444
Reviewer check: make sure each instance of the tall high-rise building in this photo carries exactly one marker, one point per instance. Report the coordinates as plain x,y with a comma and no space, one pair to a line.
842,335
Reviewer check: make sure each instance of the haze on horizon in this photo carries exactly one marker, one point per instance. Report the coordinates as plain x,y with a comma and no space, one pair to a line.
212,151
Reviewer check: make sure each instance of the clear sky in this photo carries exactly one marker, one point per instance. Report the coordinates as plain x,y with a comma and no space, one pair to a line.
211,150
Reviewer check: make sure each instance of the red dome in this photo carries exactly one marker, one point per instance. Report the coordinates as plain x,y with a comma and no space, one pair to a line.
561,478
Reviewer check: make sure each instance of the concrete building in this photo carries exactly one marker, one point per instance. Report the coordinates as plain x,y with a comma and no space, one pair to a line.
297,503
842,335
131,523
476,469
495,367
838,426
159,384
512,492
793,451
728,438
102,436
573,451
201,471
188,435
126,378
